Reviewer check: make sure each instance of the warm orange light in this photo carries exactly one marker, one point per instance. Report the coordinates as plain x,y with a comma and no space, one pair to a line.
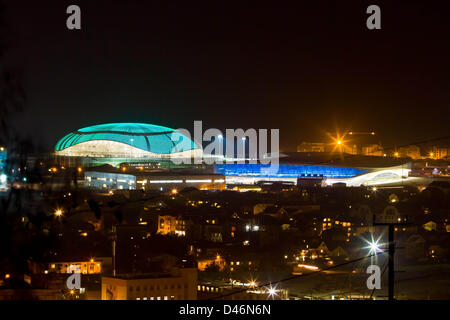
307,267
174,191
338,141
79,169
396,154
58,212
7,276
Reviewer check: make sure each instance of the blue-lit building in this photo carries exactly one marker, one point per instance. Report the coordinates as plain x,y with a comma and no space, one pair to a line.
2,159
3,177
343,172
295,171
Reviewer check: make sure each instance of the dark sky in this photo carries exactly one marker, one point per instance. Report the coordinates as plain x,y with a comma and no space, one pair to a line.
305,69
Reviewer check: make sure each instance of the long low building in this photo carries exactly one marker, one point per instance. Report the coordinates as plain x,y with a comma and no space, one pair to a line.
352,171
253,174
166,180
330,169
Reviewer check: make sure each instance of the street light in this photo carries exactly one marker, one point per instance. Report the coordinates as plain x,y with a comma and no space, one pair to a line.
272,292
58,212
374,247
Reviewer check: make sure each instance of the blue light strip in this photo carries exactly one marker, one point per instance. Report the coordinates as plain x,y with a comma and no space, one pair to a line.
287,171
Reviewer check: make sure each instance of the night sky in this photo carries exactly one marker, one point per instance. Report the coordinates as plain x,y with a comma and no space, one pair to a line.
305,69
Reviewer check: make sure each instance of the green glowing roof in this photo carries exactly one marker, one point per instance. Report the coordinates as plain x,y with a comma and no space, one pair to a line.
148,137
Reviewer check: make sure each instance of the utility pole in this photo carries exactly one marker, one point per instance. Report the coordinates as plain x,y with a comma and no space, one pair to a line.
114,238
391,250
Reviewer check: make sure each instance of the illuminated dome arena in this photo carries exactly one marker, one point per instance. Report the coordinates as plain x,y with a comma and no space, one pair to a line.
127,140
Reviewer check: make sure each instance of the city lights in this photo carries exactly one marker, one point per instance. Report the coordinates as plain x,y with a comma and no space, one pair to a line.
227,154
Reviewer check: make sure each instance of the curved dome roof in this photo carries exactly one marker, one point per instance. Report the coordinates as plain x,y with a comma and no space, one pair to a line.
148,137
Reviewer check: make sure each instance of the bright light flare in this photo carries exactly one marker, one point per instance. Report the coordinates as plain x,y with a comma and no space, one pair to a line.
338,141
272,292
374,246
